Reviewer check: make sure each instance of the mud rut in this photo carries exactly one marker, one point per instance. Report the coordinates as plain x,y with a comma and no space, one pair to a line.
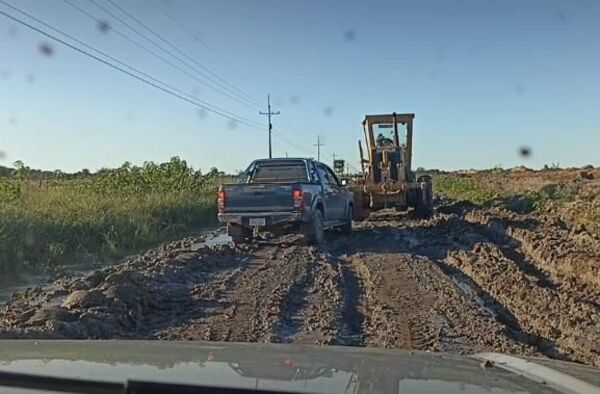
467,280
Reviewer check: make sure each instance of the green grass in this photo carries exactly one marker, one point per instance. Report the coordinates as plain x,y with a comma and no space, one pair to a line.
121,211
463,188
472,189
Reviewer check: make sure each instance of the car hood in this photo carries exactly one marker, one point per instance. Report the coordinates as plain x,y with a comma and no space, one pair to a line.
293,368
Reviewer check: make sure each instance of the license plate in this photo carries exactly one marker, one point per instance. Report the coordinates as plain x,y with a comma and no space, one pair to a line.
256,222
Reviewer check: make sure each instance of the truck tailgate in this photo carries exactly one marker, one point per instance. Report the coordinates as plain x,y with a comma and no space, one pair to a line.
257,197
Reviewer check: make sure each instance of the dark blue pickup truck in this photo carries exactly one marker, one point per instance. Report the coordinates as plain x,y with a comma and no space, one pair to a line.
285,196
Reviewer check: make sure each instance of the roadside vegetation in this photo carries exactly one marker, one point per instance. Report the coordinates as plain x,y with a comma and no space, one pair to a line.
573,195
463,189
48,219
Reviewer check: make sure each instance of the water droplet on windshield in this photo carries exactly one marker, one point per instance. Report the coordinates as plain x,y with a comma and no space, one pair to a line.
525,152
349,35
103,26
519,89
46,49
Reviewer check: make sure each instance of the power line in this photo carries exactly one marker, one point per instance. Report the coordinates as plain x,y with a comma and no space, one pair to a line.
281,134
200,41
156,84
291,143
229,114
287,128
223,83
137,44
122,70
284,130
223,89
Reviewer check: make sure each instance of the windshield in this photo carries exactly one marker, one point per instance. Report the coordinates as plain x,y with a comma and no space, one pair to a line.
229,171
384,134
273,172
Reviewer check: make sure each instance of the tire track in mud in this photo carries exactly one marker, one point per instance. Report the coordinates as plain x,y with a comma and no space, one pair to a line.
408,301
351,314
551,311
571,328
564,259
387,303
309,314
538,310
282,295
249,303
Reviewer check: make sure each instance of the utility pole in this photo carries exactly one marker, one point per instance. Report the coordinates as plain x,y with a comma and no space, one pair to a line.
334,156
269,113
318,145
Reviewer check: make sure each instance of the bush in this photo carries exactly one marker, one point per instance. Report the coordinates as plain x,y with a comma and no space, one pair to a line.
102,216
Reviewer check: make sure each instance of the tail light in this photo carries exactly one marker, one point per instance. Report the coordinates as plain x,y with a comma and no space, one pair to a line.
221,201
298,200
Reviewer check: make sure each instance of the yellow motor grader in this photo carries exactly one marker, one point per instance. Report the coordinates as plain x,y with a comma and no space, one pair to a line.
387,179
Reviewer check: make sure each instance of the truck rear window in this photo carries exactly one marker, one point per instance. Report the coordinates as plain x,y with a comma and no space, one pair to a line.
293,171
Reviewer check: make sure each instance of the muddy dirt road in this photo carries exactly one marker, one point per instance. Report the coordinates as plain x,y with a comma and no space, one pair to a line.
467,280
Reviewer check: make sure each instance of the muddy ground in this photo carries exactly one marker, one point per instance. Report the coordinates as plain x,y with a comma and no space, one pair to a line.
469,279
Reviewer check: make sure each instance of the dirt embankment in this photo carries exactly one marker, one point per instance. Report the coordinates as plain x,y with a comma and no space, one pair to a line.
467,280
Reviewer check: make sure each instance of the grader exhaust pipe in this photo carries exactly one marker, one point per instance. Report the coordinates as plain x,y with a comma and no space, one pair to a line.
362,160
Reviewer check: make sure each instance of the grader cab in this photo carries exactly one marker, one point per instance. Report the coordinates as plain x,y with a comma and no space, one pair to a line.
387,178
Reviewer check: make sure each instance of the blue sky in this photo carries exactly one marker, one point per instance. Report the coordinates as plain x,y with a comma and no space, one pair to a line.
482,78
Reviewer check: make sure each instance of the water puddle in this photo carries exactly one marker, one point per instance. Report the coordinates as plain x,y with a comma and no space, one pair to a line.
462,284
214,239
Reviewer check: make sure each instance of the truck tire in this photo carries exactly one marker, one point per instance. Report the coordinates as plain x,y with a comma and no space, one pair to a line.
347,226
239,234
424,205
314,231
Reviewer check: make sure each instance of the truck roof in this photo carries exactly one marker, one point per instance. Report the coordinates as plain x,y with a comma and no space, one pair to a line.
284,159
387,118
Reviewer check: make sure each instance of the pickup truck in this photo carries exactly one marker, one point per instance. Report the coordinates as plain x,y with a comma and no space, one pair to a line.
285,196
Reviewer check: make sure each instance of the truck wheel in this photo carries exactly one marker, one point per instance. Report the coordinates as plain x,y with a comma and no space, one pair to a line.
239,234
347,227
424,206
314,232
